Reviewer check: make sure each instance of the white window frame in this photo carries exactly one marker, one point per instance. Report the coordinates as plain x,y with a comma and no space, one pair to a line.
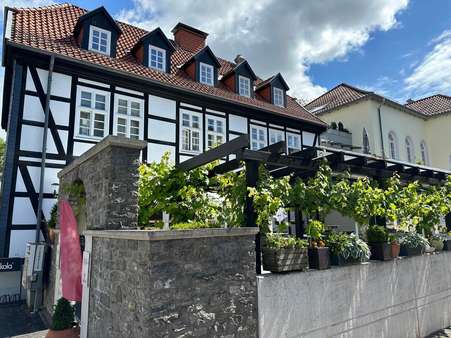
190,129
215,133
209,67
276,135
410,150
280,93
246,89
91,36
128,116
157,49
424,152
293,136
394,154
258,144
93,111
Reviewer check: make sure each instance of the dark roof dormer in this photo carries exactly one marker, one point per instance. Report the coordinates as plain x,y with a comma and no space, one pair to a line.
203,67
274,90
98,32
154,50
241,78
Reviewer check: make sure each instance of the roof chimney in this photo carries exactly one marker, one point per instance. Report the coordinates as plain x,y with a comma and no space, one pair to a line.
239,58
188,37
410,101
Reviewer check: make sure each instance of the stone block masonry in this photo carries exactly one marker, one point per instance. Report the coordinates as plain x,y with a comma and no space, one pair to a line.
197,283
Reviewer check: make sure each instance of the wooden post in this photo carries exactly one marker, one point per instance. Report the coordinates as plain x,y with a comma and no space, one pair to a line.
250,215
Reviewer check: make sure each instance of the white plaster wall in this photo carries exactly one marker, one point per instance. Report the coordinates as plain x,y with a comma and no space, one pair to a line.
238,123
159,106
405,298
161,130
438,140
155,151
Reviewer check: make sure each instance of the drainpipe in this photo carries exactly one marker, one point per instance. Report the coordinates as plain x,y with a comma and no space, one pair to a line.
381,134
44,145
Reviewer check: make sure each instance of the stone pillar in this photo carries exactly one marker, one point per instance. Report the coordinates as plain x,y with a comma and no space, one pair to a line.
109,174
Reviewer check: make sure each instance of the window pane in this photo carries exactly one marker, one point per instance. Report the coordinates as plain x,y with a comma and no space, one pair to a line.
99,125
219,126
134,129
122,106
85,123
211,125
185,120
185,139
100,102
195,120
195,140
85,99
135,108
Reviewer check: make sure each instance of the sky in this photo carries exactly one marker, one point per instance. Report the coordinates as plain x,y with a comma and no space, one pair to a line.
398,48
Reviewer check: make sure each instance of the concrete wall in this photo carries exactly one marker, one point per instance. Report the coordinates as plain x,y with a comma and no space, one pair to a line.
408,297
199,283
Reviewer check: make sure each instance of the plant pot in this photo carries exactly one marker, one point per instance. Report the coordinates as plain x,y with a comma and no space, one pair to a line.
319,258
381,251
395,248
447,245
283,260
340,260
437,244
406,251
68,333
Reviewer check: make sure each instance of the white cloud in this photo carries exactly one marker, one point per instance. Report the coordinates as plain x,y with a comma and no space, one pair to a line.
275,36
433,73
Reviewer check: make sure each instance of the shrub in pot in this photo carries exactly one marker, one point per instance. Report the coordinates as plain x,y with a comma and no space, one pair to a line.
282,253
395,246
437,241
379,244
318,253
346,249
63,325
412,243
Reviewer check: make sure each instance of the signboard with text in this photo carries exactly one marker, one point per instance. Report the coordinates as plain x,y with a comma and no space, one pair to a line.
10,264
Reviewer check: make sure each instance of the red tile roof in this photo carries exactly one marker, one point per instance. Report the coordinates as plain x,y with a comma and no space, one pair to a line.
336,97
432,105
51,29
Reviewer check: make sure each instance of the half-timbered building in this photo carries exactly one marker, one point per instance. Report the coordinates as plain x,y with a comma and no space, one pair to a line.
74,76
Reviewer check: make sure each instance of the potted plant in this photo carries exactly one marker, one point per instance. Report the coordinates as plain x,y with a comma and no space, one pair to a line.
437,241
347,249
381,249
395,246
63,325
282,253
412,243
318,253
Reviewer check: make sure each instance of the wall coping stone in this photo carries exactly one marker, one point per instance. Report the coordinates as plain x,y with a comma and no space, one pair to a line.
161,235
109,141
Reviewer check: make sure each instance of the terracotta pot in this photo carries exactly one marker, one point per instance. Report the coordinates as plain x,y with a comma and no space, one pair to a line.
395,248
68,333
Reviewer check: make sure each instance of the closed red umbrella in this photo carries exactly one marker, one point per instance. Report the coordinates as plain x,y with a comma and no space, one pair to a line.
70,253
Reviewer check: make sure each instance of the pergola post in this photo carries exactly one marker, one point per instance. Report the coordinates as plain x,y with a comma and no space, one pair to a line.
448,221
250,214
299,229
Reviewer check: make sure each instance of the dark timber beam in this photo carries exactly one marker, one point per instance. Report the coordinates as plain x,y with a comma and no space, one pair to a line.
217,153
225,167
249,213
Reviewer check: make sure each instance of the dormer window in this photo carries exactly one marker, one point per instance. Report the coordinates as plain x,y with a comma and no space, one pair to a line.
99,40
206,74
278,97
157,58
244,86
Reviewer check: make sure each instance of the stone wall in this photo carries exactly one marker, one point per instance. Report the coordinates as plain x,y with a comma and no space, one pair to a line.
109,173
409,297
197,283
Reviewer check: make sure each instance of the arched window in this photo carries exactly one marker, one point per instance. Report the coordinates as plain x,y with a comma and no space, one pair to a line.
365,142
393,145
424,153
409,150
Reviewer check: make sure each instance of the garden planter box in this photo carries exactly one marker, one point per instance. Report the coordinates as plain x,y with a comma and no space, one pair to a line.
395,248
406,251
381,251
447,245
340,260
319,258
283,260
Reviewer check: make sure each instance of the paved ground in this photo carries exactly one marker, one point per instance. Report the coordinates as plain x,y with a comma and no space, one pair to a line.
17,322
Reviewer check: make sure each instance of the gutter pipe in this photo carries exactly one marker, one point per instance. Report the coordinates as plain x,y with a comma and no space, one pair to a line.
381,134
